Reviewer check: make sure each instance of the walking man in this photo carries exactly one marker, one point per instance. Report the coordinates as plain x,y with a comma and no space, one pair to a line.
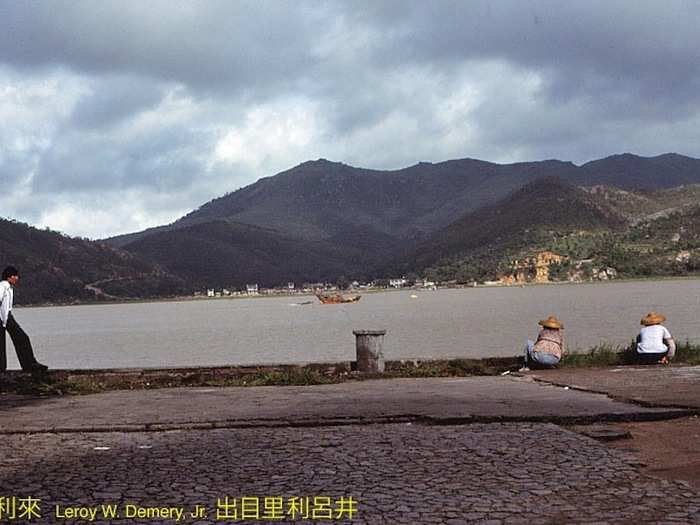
20,339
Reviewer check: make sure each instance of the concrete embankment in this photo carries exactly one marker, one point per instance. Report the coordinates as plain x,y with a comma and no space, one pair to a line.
86,381
426,400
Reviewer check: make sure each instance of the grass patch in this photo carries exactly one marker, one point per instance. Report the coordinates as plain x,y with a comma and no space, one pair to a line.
61,382
74,386
598,356
46,386
687,353
292,376
614,355
452,367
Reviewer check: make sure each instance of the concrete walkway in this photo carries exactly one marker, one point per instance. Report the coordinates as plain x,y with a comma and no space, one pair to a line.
434,400
667,386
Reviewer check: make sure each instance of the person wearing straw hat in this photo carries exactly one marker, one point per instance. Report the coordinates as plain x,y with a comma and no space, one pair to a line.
547,350
654,342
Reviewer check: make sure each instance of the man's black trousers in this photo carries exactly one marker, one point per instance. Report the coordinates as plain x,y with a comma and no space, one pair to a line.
23,345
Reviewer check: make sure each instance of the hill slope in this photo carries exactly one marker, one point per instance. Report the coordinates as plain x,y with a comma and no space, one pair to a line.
319,200
222,253
524,219
57,268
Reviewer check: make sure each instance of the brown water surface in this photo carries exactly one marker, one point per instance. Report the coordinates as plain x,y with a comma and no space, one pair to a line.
473,322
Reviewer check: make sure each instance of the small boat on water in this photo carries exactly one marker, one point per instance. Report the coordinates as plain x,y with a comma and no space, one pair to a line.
337,298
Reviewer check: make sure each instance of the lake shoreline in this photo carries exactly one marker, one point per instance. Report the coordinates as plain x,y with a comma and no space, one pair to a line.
183,298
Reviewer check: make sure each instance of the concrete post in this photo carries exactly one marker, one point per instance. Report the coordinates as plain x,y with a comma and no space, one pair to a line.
368,344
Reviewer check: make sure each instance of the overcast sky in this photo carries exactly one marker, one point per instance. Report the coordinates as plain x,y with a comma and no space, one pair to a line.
120,115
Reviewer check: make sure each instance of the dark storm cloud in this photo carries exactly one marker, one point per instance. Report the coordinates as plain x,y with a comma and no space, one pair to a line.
207,45
199,98
159,160
646,50
114,99
15,163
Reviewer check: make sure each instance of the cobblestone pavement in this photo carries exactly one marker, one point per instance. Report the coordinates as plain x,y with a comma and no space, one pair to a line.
398,473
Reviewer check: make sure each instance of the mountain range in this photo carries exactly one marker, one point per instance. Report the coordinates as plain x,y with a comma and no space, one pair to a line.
322,220
323,200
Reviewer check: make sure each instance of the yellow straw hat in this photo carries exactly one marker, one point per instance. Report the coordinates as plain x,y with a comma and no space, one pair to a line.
551,322
652,318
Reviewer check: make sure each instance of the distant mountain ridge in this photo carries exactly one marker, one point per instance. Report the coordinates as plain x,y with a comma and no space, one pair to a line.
323,221
354,221
631,172
318,199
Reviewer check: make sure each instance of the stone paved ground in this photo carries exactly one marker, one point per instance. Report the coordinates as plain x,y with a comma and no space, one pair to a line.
399,473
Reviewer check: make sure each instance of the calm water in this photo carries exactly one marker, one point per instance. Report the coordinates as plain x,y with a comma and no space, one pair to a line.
448,323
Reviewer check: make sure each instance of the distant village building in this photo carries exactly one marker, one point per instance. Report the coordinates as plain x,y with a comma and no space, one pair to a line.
604,274
290,286
542,262
584,270
210,292
683,256
531,269
252,289
397,283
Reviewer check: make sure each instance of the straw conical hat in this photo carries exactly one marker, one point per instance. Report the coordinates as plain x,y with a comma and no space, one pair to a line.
652,318
551,322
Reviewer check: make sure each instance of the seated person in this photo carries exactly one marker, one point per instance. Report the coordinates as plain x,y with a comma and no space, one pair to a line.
654,342
547,350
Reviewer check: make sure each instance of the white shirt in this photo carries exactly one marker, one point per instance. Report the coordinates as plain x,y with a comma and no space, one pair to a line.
652,339
6,294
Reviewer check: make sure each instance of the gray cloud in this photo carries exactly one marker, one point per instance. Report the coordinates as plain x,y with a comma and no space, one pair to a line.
114,99
175,103
158,159
239,46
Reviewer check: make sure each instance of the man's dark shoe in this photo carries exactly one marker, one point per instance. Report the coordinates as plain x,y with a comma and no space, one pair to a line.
38,368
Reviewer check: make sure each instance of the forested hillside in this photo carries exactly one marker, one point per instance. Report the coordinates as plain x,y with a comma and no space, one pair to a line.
57,268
